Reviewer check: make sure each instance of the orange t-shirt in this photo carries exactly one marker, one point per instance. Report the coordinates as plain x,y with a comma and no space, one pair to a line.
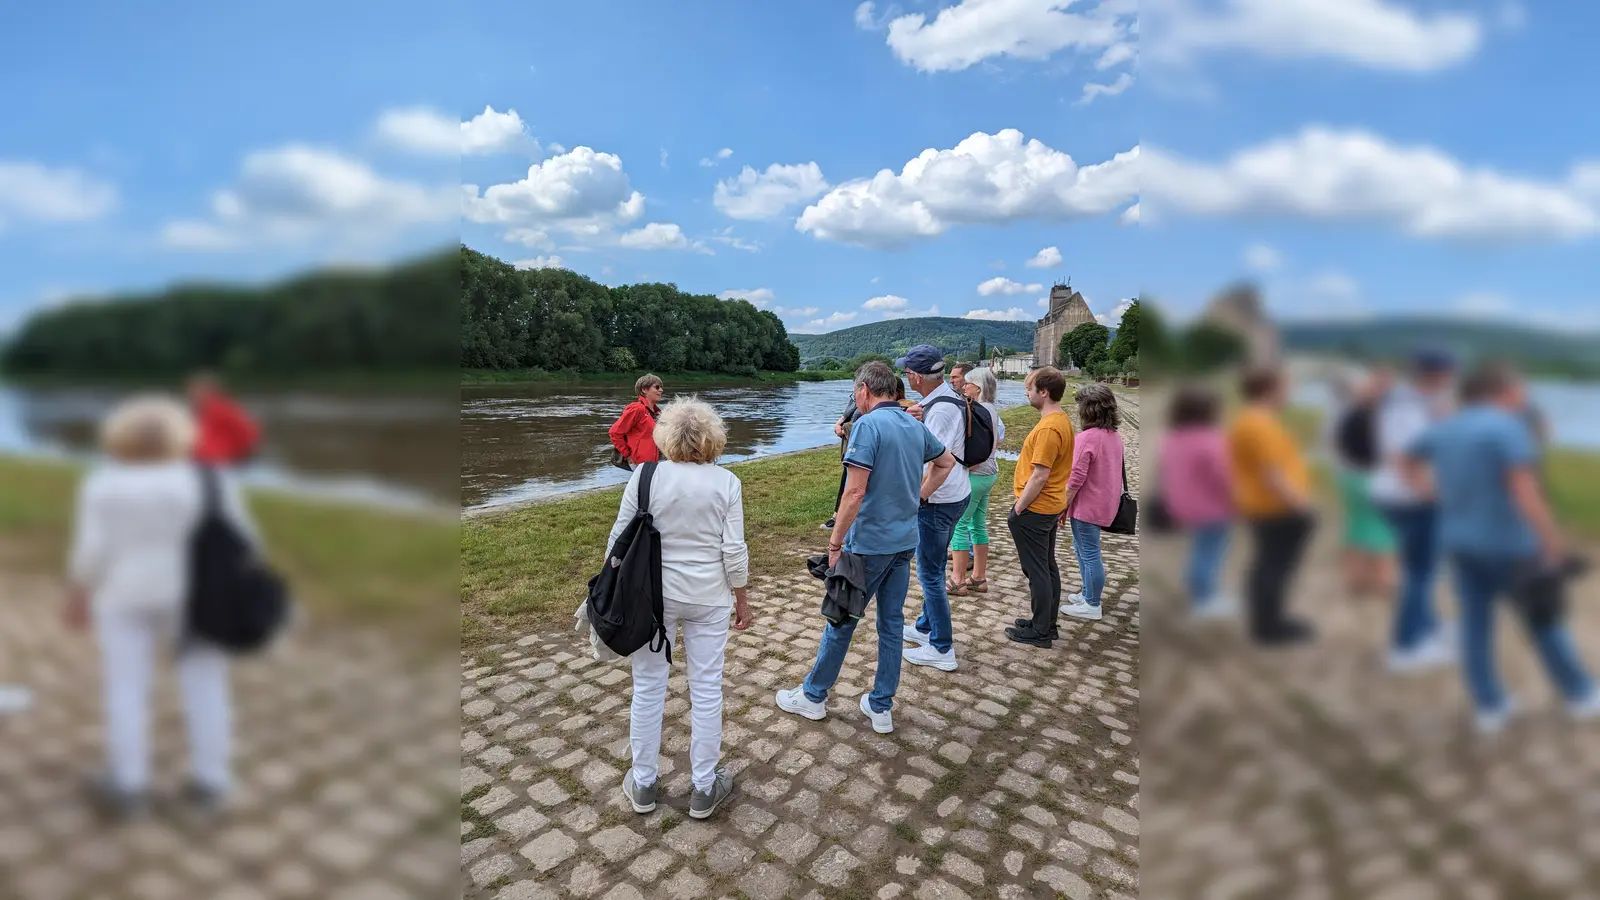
1257,443
1048,444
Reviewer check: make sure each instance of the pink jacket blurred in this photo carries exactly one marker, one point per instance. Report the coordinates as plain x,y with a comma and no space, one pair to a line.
1194,479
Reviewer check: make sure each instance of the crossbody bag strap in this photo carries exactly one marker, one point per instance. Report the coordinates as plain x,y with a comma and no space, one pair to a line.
645,473
210,491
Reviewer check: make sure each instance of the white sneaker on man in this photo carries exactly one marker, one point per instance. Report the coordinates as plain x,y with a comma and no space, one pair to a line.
1493,721
1079,609
882,722
912,636
795,701
1587,708
926,655
14,698
1434,652
1220,606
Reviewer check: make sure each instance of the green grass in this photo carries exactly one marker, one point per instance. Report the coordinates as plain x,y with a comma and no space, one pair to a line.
476,377
343,562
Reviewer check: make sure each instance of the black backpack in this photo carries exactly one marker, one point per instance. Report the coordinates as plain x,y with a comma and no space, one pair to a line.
979,443
235,601
624,603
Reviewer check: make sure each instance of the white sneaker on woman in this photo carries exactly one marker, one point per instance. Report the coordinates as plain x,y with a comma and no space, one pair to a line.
882,722
795,701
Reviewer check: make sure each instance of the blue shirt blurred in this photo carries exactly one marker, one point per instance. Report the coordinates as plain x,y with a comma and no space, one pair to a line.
895,447
1472,455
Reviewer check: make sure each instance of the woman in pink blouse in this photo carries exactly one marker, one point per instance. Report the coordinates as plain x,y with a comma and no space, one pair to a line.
1198,491
1094,491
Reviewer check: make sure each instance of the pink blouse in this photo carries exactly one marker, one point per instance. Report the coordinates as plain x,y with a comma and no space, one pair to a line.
1194,478
1096,479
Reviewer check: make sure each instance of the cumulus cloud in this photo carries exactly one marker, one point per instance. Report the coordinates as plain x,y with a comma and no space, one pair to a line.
886,303
1111,319
1048,258
766,195
539,262
720,155
580,190
726,236
1014,314
1130,216
432,133
1093,90
1354,176
1262,257
833,321
660,236
984,180
30,192
999,285
758,297
974,31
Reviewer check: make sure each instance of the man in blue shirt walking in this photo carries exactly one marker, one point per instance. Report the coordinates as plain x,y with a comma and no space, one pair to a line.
877,519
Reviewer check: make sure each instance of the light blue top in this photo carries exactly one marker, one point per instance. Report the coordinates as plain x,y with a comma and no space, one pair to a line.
894,447
1472,455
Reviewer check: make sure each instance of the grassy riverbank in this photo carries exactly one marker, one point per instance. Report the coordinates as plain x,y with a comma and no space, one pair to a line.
479,377
344,562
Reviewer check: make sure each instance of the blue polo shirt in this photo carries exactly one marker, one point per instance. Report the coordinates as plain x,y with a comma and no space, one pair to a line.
1472,454
895,448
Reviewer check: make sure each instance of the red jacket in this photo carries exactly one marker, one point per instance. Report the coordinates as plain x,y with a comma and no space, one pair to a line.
227,433
633,433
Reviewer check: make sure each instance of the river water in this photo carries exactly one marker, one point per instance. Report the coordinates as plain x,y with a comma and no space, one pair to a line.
527,442
1572,408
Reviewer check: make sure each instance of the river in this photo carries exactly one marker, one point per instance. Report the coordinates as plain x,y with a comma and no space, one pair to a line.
1572,408
527,442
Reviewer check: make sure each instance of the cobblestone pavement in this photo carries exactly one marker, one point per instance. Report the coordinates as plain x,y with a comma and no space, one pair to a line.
344,782
1015,776
1314,773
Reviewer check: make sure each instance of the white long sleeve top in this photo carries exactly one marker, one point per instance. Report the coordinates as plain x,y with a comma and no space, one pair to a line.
130,544
699,510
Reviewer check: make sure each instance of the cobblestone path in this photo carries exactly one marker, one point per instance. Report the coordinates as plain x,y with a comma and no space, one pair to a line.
343,756
1015,776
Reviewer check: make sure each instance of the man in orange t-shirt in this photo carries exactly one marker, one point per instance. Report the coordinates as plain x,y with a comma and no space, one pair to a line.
1272,488
1040,484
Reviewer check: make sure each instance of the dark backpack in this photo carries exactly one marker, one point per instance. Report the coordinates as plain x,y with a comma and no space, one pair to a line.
625,598
235,601
979,443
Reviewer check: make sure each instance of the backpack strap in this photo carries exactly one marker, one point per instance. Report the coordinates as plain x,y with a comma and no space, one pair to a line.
960,401
210,491
645,472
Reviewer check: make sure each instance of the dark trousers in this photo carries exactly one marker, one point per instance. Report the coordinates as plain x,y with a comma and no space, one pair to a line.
1280,544
1035,537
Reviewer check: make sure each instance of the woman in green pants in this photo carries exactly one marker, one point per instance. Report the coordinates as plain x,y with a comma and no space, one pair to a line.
972,531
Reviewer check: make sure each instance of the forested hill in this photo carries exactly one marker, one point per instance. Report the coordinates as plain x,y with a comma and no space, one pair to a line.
954,336
1575,353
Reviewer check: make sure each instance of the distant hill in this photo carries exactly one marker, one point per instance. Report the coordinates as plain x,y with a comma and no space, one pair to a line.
959,336
1540,350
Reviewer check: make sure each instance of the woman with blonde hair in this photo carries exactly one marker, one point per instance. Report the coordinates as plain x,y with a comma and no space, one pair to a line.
129,573
698,507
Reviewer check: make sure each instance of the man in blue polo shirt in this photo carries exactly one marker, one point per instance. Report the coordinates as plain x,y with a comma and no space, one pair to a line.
877,519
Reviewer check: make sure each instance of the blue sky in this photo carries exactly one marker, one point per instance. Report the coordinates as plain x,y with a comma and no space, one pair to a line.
1357,156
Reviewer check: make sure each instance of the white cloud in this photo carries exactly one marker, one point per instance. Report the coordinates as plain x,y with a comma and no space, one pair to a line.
833,321
1332,285
757,297
1044,302
985,179
1485,304
911,313
1130,216
865,20
886,303
1001,285
1374,34
529,237
726,236
299,193
1014,314
1111,319
1262,257
1048,258
973,31
30,192
582,192
1093,90
663,157
539,262
709,161
432,133
660,236
1116,55
1354,176
766,195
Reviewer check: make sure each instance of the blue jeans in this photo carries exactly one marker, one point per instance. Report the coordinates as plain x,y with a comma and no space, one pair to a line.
1086,544
888,579
1415,619
935,523
1208,546
1479,581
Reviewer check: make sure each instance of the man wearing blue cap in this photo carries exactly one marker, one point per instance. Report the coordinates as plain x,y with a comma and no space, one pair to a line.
1419,639
937,518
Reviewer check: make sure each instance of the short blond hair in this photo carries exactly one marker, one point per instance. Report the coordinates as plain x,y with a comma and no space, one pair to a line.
149,428
690,431
645,383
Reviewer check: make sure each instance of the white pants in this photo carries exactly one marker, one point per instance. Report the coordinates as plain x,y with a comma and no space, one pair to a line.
705,636
129,642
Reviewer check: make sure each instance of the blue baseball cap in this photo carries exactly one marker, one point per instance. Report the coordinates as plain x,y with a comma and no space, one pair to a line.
923,359
1433,360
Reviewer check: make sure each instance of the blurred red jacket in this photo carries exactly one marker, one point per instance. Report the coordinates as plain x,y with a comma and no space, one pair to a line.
633,433
227,433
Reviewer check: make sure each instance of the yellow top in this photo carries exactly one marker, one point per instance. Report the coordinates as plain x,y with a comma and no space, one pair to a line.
1257,443
1048,444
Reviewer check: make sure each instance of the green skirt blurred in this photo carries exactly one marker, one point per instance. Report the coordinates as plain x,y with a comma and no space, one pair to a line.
1365,527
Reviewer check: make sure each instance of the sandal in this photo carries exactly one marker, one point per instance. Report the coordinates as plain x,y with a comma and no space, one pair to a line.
955,590
981,585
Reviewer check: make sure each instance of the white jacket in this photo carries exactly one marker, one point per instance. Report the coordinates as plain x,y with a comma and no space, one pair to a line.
699,510
130,546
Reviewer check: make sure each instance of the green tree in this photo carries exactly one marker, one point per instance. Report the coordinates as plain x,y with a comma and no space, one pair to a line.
983,348
621,360
1207,346
1126,343
1081,343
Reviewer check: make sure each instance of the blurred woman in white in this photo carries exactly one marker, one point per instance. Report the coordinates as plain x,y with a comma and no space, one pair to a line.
129,575
698,507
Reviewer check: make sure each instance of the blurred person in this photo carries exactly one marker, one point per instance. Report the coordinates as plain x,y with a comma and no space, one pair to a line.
1419,640
1497,527
1040,487
227,434
841,429
1197,485
1094,492
1369,541
1272,487
933,630
698,507
889,479
631,433
129,572
969,544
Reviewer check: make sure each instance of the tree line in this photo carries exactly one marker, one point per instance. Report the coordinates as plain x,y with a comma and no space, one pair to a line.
555,320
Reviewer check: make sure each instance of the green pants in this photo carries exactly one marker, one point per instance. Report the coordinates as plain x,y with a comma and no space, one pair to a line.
973,527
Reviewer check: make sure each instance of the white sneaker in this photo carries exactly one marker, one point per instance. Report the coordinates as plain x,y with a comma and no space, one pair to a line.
1433,653
927,656
795,701
1218,607
14,698
1587,708
1492,721
1081,610
882,722
912,636
1076,599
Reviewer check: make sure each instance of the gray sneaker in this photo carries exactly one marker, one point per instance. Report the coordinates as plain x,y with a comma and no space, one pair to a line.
703,803
642,798
115,803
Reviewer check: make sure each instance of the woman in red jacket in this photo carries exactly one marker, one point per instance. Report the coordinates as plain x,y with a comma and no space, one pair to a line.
632,433
227,434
